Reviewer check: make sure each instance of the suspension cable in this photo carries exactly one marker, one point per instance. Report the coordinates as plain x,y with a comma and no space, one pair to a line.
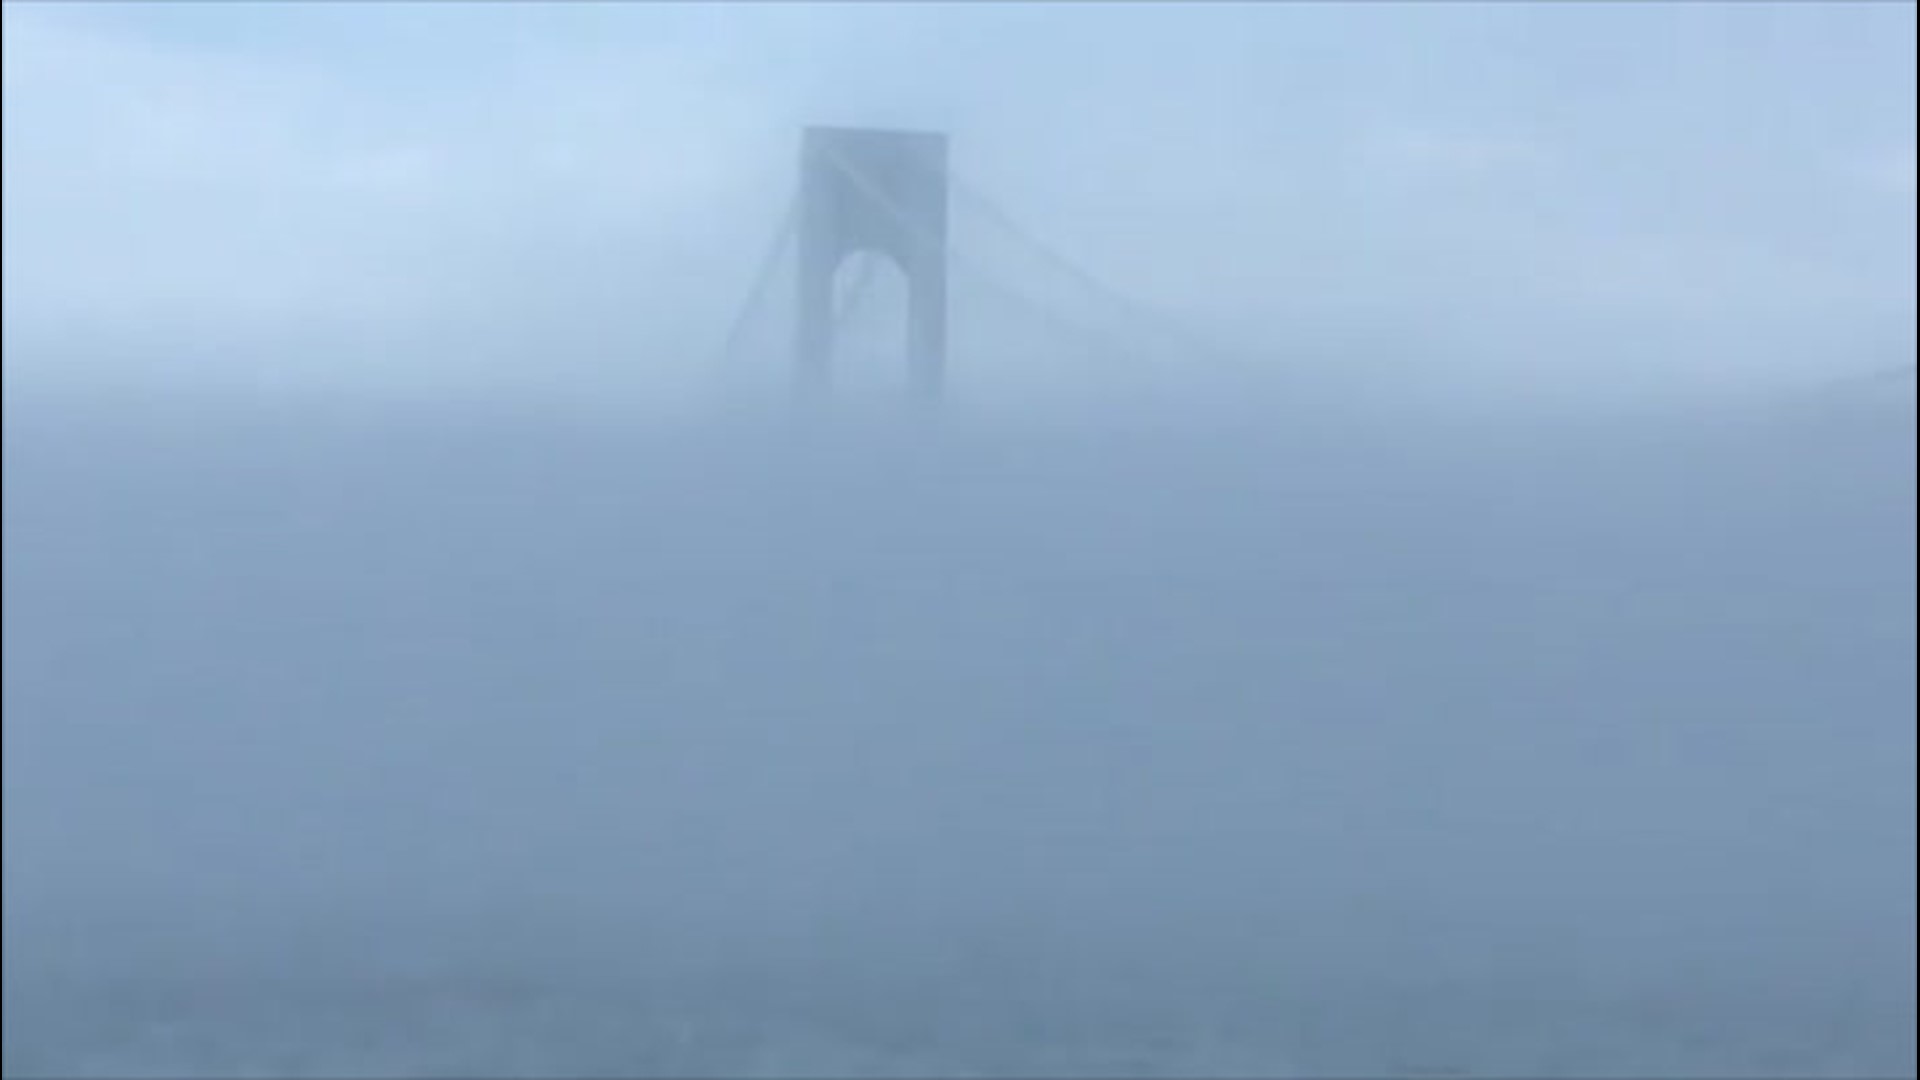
1167,323
900,216
763,277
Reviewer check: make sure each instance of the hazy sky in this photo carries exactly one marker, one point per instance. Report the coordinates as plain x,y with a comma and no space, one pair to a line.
513,195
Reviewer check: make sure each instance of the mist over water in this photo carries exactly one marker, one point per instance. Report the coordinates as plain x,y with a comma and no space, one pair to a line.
1413,573
402,742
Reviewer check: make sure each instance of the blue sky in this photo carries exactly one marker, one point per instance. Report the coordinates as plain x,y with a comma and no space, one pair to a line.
434,194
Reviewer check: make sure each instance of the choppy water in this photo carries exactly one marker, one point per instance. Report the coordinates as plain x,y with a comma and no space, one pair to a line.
504,1027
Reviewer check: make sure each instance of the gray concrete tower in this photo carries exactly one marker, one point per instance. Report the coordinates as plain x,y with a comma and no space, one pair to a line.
884,192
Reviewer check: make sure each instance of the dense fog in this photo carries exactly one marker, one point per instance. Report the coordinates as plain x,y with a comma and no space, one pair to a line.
1413,573
1447,737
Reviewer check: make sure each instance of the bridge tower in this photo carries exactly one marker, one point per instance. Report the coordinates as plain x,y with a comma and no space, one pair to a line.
884,192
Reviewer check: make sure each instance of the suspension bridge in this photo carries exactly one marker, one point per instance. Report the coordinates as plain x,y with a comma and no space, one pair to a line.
868,200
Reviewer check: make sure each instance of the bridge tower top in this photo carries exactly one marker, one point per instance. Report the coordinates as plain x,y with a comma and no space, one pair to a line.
881,191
